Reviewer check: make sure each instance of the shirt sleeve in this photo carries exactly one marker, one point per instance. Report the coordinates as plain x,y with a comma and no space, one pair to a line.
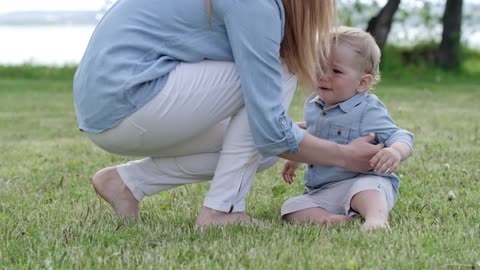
254,29
377,119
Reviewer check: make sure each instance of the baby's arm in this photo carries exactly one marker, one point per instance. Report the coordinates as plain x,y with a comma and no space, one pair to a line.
388,159
398,142
288,171
302,125
404,149
290,166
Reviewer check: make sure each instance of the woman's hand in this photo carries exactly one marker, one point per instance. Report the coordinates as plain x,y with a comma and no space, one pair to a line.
358,153
354,156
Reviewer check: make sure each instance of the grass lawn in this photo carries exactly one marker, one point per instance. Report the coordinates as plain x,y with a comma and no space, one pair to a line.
51,218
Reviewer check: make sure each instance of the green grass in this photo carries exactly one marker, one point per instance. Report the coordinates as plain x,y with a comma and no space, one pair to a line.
51,218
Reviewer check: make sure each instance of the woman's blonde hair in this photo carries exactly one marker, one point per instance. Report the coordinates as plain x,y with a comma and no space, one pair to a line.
306,42
364,45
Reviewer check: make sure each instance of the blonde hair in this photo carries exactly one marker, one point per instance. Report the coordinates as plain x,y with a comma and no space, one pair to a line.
306,42
364,45
209,10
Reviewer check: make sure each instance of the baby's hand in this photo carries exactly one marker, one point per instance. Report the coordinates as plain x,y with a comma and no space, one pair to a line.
302,125
288,172
386,160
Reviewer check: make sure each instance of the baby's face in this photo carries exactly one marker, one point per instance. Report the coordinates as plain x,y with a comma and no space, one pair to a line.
342,76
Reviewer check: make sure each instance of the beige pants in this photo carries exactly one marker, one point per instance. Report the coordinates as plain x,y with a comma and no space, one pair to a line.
336,197
188,136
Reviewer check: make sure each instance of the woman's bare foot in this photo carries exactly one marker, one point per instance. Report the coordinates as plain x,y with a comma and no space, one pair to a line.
374,225
109,185
209,217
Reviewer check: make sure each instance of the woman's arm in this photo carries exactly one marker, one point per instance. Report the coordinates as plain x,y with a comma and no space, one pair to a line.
256,49
354,156
255,33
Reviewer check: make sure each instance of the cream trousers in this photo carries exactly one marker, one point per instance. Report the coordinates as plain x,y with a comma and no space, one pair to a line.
194,130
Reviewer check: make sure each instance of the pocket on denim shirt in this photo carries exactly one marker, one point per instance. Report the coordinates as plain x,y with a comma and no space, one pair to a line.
339,134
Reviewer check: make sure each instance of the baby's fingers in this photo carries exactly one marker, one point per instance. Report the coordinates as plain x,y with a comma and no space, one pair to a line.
388,166
289,180
376,159
393,168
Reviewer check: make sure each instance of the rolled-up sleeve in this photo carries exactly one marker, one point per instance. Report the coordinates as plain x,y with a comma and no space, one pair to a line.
293,136
255,32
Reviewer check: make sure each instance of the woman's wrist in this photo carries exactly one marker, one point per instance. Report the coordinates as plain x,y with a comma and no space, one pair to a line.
341,159
317,151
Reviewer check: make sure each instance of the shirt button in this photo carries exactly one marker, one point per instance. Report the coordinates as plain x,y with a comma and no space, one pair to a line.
283,122
311,166
324,113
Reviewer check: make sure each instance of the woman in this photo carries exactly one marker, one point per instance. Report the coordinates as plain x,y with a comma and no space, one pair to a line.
201,89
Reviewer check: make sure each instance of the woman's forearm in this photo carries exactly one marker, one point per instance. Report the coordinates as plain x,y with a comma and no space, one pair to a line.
354,156
312,150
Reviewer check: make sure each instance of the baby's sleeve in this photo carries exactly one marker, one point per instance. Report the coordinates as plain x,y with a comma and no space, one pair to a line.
377,119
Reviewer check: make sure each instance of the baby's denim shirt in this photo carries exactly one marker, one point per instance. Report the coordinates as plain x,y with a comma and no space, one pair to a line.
356,117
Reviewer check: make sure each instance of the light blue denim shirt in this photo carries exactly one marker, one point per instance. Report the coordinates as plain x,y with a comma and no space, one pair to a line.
138,42
355,117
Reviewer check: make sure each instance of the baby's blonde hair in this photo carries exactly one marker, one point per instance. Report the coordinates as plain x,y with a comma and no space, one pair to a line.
364,45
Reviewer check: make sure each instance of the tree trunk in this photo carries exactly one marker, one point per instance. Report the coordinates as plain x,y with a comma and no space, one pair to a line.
448,53
379,26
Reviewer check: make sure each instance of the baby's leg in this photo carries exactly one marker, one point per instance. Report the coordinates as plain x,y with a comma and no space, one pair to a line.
324,206
372,197
316,216
372,206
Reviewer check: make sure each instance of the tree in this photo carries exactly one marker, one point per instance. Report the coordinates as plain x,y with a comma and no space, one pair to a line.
379,25
448,53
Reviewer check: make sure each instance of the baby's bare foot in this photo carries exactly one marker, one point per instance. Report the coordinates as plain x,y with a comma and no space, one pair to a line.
209,217
374,225
109,185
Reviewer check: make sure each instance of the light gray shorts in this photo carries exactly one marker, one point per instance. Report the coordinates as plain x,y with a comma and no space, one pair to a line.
336,197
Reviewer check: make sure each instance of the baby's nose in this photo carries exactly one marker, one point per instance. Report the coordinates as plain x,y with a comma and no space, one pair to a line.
325,75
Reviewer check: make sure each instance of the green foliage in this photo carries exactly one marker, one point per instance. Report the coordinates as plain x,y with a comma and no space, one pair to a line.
30,71
355,12
417,63
415,21
50,217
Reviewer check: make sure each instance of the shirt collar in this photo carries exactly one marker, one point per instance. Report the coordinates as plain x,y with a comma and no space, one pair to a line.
346,105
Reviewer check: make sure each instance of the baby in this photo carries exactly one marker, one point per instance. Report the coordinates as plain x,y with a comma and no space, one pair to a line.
341,110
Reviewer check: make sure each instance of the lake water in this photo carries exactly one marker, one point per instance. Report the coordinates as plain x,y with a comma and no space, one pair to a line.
52,45
60,45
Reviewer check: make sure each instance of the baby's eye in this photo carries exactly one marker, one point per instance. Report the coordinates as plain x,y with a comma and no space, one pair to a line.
337,71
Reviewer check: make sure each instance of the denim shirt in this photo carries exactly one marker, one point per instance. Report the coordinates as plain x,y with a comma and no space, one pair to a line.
356,117
138,42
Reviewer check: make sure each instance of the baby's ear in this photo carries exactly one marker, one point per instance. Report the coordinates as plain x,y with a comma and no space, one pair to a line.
365,83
